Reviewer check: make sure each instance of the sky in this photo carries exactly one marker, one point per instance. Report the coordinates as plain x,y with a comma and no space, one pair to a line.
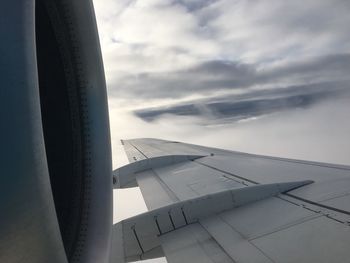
268,77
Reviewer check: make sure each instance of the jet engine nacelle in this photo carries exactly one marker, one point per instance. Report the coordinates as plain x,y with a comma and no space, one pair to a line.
55,156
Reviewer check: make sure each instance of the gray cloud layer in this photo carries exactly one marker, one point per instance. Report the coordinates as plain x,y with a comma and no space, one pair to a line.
213,76
252,104
172,49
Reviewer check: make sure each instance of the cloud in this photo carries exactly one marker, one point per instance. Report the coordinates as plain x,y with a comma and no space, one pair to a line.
216,76
159,35
250,105
185,63
267,30
173,49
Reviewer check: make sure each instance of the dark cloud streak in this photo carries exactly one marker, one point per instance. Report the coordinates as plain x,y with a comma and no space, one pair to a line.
252,104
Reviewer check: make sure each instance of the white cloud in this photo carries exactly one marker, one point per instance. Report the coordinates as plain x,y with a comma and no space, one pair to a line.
266,30
151,36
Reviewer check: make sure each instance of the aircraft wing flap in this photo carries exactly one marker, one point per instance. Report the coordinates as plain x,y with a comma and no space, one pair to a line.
232,242
273,230
192,244
317,240
238,230
154,191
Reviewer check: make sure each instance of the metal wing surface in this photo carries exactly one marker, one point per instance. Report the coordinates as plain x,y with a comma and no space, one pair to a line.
212,205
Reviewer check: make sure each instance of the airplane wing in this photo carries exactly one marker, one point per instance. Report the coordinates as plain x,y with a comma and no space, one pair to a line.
212,205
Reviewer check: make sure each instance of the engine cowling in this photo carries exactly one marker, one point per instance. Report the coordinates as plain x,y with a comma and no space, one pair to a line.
56,183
